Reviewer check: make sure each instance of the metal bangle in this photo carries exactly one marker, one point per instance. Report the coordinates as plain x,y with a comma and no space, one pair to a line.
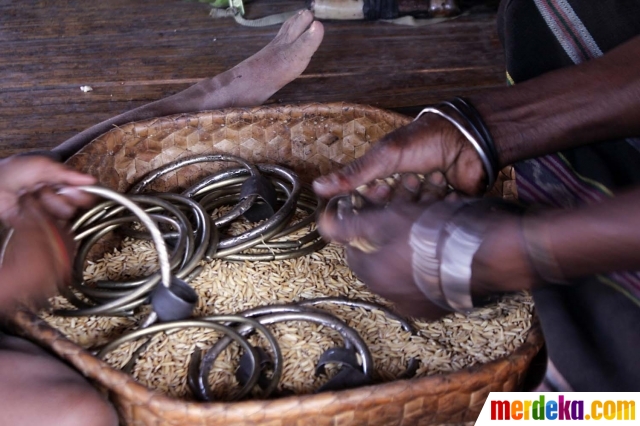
183,162
238,209
206,231
135,294
425,240
216,181
132,297
184,246
467,109
340,326
78,282
289,249
163,257
269,227
92,215
228,331
490,172
457,255
463,235
5,238
273,314
414,363
199,368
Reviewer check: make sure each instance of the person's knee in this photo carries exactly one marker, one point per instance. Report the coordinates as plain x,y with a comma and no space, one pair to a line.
56,403
82,405
39,389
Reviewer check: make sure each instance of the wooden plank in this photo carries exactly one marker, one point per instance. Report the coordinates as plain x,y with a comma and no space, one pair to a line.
135,52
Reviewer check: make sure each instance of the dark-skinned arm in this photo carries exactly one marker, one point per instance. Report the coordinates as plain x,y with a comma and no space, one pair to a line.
596,239
591,102
577,105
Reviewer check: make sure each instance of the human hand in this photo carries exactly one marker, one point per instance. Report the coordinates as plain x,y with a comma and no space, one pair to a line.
39,175
376,240
427,145
406,250
36,257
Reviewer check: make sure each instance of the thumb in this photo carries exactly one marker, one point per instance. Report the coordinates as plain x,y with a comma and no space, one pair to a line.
378,163
342,224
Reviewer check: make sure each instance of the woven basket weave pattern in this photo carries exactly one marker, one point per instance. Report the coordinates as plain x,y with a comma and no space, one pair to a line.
312,140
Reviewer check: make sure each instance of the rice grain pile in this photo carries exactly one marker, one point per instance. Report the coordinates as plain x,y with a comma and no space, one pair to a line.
448,344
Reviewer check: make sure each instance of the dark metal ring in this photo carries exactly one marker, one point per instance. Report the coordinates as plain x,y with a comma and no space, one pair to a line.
414,363
237,211
199,368
176,325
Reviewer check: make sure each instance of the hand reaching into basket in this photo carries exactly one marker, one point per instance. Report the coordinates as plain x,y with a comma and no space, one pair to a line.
401,248
36,248
430,256
427,145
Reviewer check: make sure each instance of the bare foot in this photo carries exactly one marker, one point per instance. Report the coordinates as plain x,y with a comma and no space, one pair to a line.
256,79
249,83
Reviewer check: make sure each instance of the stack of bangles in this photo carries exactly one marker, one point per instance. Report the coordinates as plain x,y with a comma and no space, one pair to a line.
468,121
442,255
266,194
444,241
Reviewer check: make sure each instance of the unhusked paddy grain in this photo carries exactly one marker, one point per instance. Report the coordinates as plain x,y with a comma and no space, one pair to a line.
448,344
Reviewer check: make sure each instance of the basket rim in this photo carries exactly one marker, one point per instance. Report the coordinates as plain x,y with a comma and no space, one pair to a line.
126,386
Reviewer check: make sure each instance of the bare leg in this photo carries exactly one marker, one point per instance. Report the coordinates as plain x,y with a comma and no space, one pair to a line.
249,83
38,389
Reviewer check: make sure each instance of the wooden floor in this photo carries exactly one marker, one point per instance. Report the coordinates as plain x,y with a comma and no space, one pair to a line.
133,52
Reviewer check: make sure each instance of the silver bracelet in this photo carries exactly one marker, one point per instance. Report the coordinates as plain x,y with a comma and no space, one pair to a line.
444,241
488,168
425,241
464,235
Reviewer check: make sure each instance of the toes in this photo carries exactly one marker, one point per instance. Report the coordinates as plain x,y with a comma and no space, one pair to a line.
295,26
313,36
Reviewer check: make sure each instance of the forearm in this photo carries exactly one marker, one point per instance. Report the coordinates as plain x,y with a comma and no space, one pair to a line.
9,291
573,106
186,101
597,239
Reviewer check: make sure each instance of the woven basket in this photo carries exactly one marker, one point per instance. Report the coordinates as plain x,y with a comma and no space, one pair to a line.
312,140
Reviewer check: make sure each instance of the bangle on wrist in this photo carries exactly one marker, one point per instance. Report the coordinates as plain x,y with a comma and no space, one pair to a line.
444,240
425,241
465,233
473,116
467,120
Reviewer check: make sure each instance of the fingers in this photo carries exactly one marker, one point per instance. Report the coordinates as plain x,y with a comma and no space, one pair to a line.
56,205
430,144
413,148
436,184
76,197
367,168
409,188
28,173
342,224
37,175
378,192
